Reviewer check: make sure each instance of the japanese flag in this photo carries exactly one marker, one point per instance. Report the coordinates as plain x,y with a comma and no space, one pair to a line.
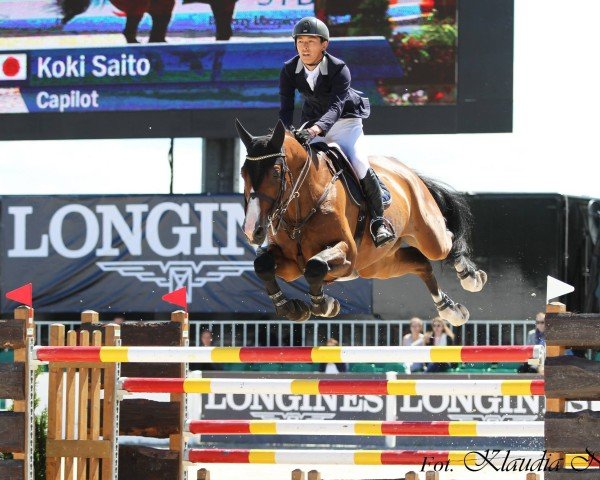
13,66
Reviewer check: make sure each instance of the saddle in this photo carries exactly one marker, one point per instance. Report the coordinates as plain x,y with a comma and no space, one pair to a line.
338,163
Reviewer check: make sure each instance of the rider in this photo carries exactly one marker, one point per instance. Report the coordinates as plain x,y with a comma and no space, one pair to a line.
333,110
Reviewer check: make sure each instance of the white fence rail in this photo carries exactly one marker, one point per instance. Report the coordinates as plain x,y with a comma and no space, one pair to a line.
241,333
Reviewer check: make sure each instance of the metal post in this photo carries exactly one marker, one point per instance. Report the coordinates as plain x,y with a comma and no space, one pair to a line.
220,165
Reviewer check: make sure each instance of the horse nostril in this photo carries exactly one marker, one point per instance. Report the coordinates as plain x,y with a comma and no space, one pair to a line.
259,232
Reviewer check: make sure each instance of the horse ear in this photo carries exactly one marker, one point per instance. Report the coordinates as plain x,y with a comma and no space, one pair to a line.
245,137
278,136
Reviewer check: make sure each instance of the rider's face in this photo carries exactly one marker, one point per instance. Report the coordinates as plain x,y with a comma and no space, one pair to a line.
310,48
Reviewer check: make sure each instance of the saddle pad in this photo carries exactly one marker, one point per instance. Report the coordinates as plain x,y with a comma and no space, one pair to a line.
349,177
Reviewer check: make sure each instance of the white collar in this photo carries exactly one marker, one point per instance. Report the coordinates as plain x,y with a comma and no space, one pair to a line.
322,66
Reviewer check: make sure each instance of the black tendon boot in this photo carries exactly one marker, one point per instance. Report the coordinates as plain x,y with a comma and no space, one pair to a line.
382,230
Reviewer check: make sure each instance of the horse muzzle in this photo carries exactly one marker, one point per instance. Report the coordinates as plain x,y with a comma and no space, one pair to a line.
256,235
254,224
259,235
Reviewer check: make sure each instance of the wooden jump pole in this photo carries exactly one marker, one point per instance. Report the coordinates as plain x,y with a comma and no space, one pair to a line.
333,387
187,354
372,428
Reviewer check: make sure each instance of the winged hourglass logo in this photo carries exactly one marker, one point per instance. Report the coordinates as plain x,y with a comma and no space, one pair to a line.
178,274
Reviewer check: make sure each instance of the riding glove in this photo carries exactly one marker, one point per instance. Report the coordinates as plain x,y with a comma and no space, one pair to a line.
303,136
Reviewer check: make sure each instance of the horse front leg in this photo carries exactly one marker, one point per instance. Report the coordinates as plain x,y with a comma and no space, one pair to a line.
333,261
268,261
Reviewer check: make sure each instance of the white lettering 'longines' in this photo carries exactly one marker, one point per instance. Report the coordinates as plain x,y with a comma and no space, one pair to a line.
299,404
192,233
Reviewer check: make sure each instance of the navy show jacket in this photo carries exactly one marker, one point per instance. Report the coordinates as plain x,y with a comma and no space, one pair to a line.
332,98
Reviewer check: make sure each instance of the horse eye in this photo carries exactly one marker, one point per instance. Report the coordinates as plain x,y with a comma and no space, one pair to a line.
276,173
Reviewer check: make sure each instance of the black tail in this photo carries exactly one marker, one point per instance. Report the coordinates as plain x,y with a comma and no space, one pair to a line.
457,213
71,8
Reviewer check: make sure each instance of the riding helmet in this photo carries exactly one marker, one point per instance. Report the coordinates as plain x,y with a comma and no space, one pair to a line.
311,26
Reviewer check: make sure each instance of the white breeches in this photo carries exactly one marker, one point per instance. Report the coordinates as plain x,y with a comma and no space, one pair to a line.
348,134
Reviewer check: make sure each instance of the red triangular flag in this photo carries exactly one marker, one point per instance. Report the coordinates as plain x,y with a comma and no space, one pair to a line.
177,297
22,295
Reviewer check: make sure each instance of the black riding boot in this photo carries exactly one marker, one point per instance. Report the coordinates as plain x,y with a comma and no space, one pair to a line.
381,229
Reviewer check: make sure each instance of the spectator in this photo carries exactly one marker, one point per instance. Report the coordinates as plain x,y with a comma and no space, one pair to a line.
119,320
333,367
413,339
206,338
440,336
535,337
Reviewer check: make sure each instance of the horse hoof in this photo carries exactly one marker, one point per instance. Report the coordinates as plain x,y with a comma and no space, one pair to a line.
456,315
296,311
475,282
328,308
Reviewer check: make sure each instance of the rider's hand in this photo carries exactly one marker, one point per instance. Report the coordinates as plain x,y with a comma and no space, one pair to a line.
315,130
303,136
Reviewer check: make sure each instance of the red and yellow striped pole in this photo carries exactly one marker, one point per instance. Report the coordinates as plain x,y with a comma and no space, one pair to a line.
334,387
370,428
351,457
458,354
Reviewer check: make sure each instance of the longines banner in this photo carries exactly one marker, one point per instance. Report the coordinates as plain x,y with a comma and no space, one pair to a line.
364,407
122,253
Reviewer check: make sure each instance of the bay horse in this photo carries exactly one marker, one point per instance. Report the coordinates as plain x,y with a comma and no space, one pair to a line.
160,12
293,197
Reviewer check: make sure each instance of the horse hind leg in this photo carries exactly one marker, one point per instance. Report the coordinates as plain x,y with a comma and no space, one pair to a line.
413,261
471,279
457,216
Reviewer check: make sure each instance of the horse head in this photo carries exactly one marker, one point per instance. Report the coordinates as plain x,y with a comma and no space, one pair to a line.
264,174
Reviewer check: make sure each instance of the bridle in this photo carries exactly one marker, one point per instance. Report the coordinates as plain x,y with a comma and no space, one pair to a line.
280,204
274,202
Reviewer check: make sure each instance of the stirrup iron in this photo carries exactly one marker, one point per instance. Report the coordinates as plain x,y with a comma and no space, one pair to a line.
379,221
